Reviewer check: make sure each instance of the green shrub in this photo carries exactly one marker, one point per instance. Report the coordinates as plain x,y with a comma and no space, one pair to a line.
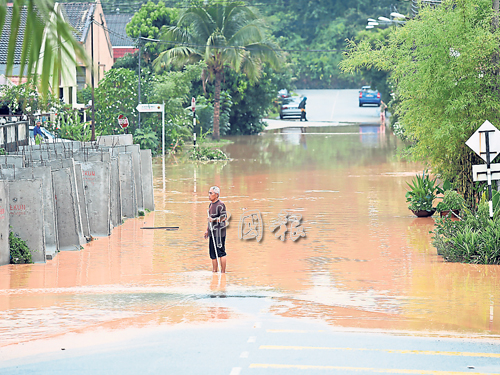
422,192
19,251
451,201
473,239
206,154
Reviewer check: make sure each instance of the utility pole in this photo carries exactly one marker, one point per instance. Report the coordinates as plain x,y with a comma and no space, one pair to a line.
92,73
139,88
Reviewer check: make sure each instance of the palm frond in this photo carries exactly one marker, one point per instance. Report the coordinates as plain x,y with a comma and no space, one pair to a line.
266,51
37,50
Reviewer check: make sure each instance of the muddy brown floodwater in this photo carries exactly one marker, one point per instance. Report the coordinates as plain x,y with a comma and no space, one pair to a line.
366,261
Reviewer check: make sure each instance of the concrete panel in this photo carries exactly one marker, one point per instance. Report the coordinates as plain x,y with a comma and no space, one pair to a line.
115,201
115,140
147,179
74,189
26,215
15,160
67,225
136,159
127,185
96,178
49,213
4,224
82,200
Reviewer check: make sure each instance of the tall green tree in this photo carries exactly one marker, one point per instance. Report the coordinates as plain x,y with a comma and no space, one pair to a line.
222,35
444,67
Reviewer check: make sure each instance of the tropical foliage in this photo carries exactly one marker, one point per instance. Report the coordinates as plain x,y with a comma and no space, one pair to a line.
475,238
221,35
444,66
423,191
116,95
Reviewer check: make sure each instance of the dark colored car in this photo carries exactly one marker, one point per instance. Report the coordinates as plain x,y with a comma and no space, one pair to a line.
290,107
369,96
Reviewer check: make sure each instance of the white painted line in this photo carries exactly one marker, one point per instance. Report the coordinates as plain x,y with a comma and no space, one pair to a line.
257,325
244,355
252,339
235,371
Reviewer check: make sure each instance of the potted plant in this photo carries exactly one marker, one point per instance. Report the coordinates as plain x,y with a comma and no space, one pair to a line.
452,202
421,195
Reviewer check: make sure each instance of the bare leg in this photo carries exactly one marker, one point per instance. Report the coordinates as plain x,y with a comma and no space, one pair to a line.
223,265
214,265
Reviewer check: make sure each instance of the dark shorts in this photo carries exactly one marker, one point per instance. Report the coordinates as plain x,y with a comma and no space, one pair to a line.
221,251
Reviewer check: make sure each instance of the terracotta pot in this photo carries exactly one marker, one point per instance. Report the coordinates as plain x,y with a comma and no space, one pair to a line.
423,213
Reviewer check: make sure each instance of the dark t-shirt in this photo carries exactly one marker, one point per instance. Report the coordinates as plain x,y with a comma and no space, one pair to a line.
218,210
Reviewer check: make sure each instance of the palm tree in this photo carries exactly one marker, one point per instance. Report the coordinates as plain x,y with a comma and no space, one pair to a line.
46,37
222,35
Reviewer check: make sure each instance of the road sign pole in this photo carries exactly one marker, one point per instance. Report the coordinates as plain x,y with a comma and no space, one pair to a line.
163,142
488,171
193,105
163,130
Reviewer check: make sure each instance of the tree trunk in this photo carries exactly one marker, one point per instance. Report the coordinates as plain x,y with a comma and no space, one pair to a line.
218,80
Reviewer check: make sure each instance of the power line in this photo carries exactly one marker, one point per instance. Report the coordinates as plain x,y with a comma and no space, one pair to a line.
213,46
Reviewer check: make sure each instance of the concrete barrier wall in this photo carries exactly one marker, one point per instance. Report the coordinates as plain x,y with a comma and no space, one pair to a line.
127,186
26,215
115,200
90,196
82,201
67,223
43,173
96,178
4,224
147,179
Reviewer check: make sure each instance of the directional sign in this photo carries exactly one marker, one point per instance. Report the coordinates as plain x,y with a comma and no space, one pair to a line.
477,141
479,172
150,107
122,121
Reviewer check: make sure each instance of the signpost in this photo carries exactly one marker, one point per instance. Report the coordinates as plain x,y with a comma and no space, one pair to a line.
193,107
486,143
157,108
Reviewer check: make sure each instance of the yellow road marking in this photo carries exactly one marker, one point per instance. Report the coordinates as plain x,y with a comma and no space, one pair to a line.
379,370
426,352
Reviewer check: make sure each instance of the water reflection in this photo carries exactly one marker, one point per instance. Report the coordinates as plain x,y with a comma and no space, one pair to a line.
365,262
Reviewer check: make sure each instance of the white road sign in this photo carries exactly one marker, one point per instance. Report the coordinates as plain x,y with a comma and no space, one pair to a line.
477,141
479,172
150,107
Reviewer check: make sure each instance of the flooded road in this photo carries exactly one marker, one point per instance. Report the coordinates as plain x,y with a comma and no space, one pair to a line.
366,262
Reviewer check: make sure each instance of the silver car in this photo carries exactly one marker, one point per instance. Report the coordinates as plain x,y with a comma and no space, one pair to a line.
290,107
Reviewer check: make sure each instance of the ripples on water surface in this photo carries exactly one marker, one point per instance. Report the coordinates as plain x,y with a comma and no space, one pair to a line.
365,262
